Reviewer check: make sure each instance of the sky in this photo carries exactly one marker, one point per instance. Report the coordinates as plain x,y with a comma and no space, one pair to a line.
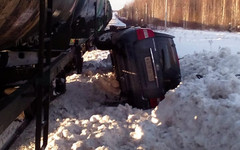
118,4
201,113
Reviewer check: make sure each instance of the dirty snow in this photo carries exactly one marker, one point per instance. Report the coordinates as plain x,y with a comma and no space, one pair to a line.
202,113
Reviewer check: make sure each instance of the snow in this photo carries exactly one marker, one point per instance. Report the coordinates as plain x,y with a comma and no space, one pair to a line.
203,112
191,41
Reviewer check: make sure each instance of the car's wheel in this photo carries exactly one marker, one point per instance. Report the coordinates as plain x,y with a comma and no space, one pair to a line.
104,41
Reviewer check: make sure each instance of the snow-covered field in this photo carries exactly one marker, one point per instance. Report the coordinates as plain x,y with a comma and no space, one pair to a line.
202,113
190,41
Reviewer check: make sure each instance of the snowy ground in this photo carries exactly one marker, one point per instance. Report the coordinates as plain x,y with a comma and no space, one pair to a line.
191,41
202,113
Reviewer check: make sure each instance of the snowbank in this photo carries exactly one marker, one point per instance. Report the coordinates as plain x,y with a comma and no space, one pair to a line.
202,113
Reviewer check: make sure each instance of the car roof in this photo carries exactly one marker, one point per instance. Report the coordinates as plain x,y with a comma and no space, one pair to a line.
129,34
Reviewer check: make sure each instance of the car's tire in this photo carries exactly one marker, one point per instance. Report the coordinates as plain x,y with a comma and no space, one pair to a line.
104,40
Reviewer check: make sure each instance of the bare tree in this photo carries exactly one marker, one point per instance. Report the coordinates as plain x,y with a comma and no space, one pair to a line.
220,14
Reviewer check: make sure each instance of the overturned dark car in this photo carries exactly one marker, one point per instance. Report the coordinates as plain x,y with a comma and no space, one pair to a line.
146,64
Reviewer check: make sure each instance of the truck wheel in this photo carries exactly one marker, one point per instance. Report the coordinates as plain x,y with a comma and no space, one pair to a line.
59,85
30,111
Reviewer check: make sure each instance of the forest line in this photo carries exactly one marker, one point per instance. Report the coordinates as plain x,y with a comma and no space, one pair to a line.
203,14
